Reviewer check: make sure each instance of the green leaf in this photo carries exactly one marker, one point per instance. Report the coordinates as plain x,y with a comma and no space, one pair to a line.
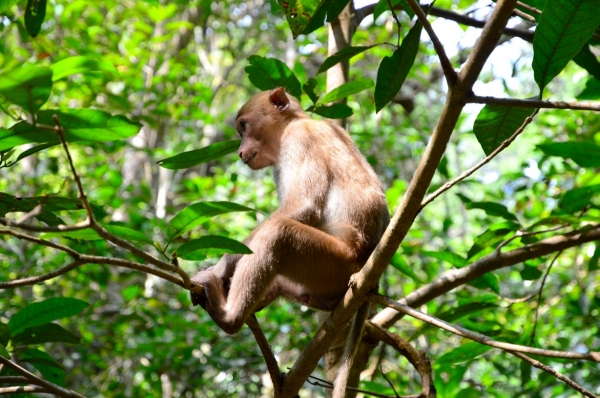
4,334
563,29
490,280
393,70
131,292
530,273
35,12
80,64
46,333
448,256
48,367
309,89
5,6
300,13
585,154
576,199
346,90
496,123
27,86
342,55
492,209
89,234
455,314
3,352
197,213
45,311
593,264
211,245
34,150
269,73
78,125
488,239
466,352
401,265
51,204
588,61
317,20
384,5
591,90
335,111
199,156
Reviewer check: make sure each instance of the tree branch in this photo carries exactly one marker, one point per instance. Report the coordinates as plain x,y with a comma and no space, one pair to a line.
51,387
527,103
265,349
492,262
23,389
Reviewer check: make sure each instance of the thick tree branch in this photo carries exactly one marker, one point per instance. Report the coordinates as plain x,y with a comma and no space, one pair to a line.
492,262
51,387
23,389
369,275
527,103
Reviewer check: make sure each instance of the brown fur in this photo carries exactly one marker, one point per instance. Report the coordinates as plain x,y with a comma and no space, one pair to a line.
332,214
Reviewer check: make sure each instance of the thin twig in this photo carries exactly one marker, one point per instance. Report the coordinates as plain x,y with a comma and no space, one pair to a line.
447,67
480,338
32,228
53,388
483,162
520,234
559,376
529,103
267,353
23,389
329,385
524,15
528,7
396,18
539,300
80,259
389,382
13,379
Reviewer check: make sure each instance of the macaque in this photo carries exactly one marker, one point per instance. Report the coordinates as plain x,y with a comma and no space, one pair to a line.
332,214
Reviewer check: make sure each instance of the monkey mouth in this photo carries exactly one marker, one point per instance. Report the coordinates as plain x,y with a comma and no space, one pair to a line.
250,158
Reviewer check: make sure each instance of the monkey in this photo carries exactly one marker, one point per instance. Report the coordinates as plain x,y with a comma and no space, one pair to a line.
332,213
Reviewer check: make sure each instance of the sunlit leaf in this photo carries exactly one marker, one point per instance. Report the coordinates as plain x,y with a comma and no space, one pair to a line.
199,156
196,214
299,13
5,5
28,86
309,89
563,28
576,199
585,154
89,234
211,245
45,311
346,90
492,209
393,70
452,258
342,55
80,64
454,314
270,73
465,352
46,333
496,123
401,265
78,125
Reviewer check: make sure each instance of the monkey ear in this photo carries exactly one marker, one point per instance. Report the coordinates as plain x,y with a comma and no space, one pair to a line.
279,99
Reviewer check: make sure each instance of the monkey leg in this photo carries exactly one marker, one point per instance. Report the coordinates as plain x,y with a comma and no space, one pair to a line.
290,259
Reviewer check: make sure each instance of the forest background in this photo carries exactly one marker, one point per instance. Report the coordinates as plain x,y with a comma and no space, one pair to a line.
98,100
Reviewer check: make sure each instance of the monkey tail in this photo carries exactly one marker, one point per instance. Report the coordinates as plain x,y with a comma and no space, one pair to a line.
352,342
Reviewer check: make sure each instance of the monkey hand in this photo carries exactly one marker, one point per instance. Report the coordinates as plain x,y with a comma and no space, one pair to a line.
199,298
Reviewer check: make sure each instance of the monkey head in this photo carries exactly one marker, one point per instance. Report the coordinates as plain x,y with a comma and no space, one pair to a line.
261,122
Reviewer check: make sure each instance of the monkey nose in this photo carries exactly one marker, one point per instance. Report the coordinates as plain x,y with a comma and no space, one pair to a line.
240,154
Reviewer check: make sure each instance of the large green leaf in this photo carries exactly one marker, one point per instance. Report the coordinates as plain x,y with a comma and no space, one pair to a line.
50,204
80,64
35,12
43,312
591,90
5,5
78,125
585,154
496,123
346,90
198,156
269,73
300,13
334,8
335,111
48,367
576,199
211,245
463,353
384,5
563,28
448,256
393,70
197,213
46,333
588,61
342,55
492,209
28,86
401,265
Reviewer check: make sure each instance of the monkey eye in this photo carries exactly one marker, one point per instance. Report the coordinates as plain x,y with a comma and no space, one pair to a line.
243,125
